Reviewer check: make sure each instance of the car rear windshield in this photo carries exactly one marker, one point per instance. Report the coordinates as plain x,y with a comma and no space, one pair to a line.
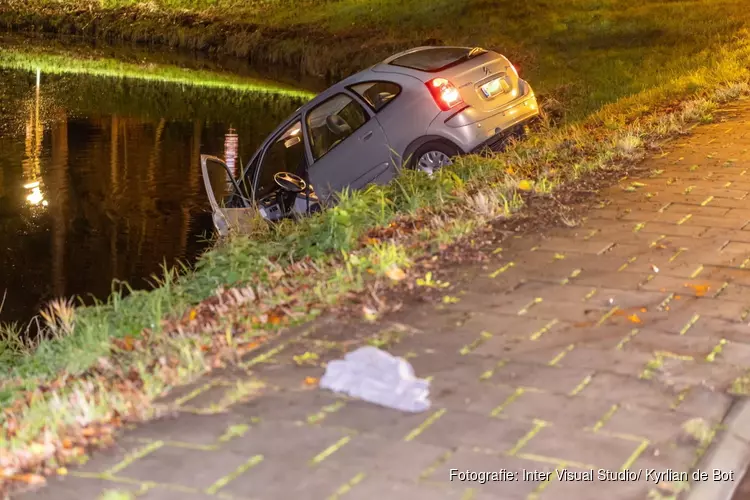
437,59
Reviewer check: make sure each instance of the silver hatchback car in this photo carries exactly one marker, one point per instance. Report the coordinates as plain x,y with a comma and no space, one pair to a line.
417,109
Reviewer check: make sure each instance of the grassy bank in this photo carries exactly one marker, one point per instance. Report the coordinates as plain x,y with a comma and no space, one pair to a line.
583,53
106,364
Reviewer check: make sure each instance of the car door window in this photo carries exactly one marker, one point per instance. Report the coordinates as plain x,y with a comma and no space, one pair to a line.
332,121
285,154
377,94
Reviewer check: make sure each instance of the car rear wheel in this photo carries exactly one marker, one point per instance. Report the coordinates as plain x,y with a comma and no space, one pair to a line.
432,156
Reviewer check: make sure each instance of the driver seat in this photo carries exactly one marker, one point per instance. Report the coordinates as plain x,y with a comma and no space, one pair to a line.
338,125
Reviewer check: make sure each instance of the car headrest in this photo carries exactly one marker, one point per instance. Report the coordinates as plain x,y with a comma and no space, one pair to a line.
338,125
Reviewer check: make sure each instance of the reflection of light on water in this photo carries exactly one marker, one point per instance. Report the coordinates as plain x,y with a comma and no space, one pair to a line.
35,197
32,170
230,150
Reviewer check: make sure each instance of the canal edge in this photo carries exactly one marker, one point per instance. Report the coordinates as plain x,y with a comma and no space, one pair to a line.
730,453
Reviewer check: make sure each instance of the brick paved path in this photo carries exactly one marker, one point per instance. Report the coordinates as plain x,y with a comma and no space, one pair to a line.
583,348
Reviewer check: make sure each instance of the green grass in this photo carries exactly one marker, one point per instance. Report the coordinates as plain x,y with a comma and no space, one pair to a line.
628,75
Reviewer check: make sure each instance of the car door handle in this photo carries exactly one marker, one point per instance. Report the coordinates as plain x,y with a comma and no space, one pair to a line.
366,137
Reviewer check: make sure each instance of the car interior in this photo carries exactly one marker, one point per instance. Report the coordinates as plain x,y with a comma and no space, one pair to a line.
282,189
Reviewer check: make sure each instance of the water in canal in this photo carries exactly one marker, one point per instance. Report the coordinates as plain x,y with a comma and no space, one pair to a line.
100,177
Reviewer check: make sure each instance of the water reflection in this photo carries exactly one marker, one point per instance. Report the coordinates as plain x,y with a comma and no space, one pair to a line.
100,178
31,167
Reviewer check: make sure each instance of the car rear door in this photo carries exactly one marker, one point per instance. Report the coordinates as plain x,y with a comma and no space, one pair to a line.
347,145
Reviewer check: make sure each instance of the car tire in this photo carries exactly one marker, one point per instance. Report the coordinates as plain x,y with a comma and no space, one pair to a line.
432,155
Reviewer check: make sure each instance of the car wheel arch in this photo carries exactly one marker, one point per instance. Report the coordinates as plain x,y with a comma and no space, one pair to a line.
407,157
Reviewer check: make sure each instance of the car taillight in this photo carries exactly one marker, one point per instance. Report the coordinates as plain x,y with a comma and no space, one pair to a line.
445,94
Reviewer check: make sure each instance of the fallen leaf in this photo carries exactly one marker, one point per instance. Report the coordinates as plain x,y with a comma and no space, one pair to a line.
62,471
311,380
524,185
193,314
634,318
274,319
34,479
395,273
125,344
700,290
643,309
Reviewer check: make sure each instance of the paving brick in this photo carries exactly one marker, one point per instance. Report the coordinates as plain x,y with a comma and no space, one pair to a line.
290,406
720,308
659,427
278,439
160,493
683,374
580,447
733,275
196,469
734,194
704,211
76,488
729,202
508,486
479,396
651,341
704,403
622,389
623,362
734,353
366,417
727,222
584,490
312,483
465,429
433,362
690,287
570,245
395,459
374,486
557,409
621,281
105,459
673,229
195,429
572,312
738,248
553,379
656,216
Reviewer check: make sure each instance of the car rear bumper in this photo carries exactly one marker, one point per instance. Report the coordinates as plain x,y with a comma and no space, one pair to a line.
498,141
494,128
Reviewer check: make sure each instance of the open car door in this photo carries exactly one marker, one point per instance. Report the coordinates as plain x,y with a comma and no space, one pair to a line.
230,210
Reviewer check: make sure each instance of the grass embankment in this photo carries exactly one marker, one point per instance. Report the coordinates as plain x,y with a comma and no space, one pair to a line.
108,363
583,53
